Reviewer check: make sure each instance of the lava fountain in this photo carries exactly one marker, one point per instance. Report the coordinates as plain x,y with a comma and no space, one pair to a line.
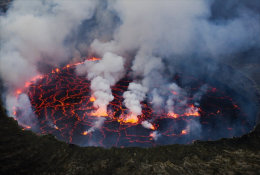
62,105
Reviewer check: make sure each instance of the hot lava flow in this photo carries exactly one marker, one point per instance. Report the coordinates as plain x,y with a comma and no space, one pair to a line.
63,106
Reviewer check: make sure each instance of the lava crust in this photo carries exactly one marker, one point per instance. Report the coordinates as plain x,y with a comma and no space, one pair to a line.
63,106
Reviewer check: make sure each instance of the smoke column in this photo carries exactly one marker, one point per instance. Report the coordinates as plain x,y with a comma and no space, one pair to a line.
103,74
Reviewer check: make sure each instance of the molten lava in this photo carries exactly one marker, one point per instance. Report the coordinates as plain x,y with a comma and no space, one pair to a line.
93,59
100,112
63,106
130,118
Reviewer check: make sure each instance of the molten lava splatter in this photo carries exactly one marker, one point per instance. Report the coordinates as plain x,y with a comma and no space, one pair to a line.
184,132
129,118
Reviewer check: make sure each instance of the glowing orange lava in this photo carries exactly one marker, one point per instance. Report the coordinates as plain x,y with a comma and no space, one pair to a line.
173,115
184,132
93,59
192,111
64,106
92,99
18,91
85,133
100,112
130,118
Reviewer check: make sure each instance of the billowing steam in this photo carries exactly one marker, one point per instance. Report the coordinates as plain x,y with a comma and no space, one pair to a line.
133,96
37,32
23,105
149,37
103,74
98,123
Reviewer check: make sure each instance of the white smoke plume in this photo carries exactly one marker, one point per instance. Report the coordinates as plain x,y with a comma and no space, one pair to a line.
23,106
177,98
157,100
155,135
150,69
97,125
133,97
193,128
101,91
147,125
197,96
103,74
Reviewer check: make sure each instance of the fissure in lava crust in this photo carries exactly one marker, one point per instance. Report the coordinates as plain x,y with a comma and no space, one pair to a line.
63,106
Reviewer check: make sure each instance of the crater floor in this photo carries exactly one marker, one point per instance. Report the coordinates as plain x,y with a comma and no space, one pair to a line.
23,152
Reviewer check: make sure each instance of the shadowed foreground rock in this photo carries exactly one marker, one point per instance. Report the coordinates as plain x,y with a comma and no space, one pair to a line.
23,152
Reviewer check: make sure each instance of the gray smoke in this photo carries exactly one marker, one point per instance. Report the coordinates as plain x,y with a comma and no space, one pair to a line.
23,106
163,32
34,32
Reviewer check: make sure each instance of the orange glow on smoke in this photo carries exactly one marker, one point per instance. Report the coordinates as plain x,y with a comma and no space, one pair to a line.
152,127
152,135
174,93
27,84
25,126
173,115
18,91
192,111
100,112
93,59
33,79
